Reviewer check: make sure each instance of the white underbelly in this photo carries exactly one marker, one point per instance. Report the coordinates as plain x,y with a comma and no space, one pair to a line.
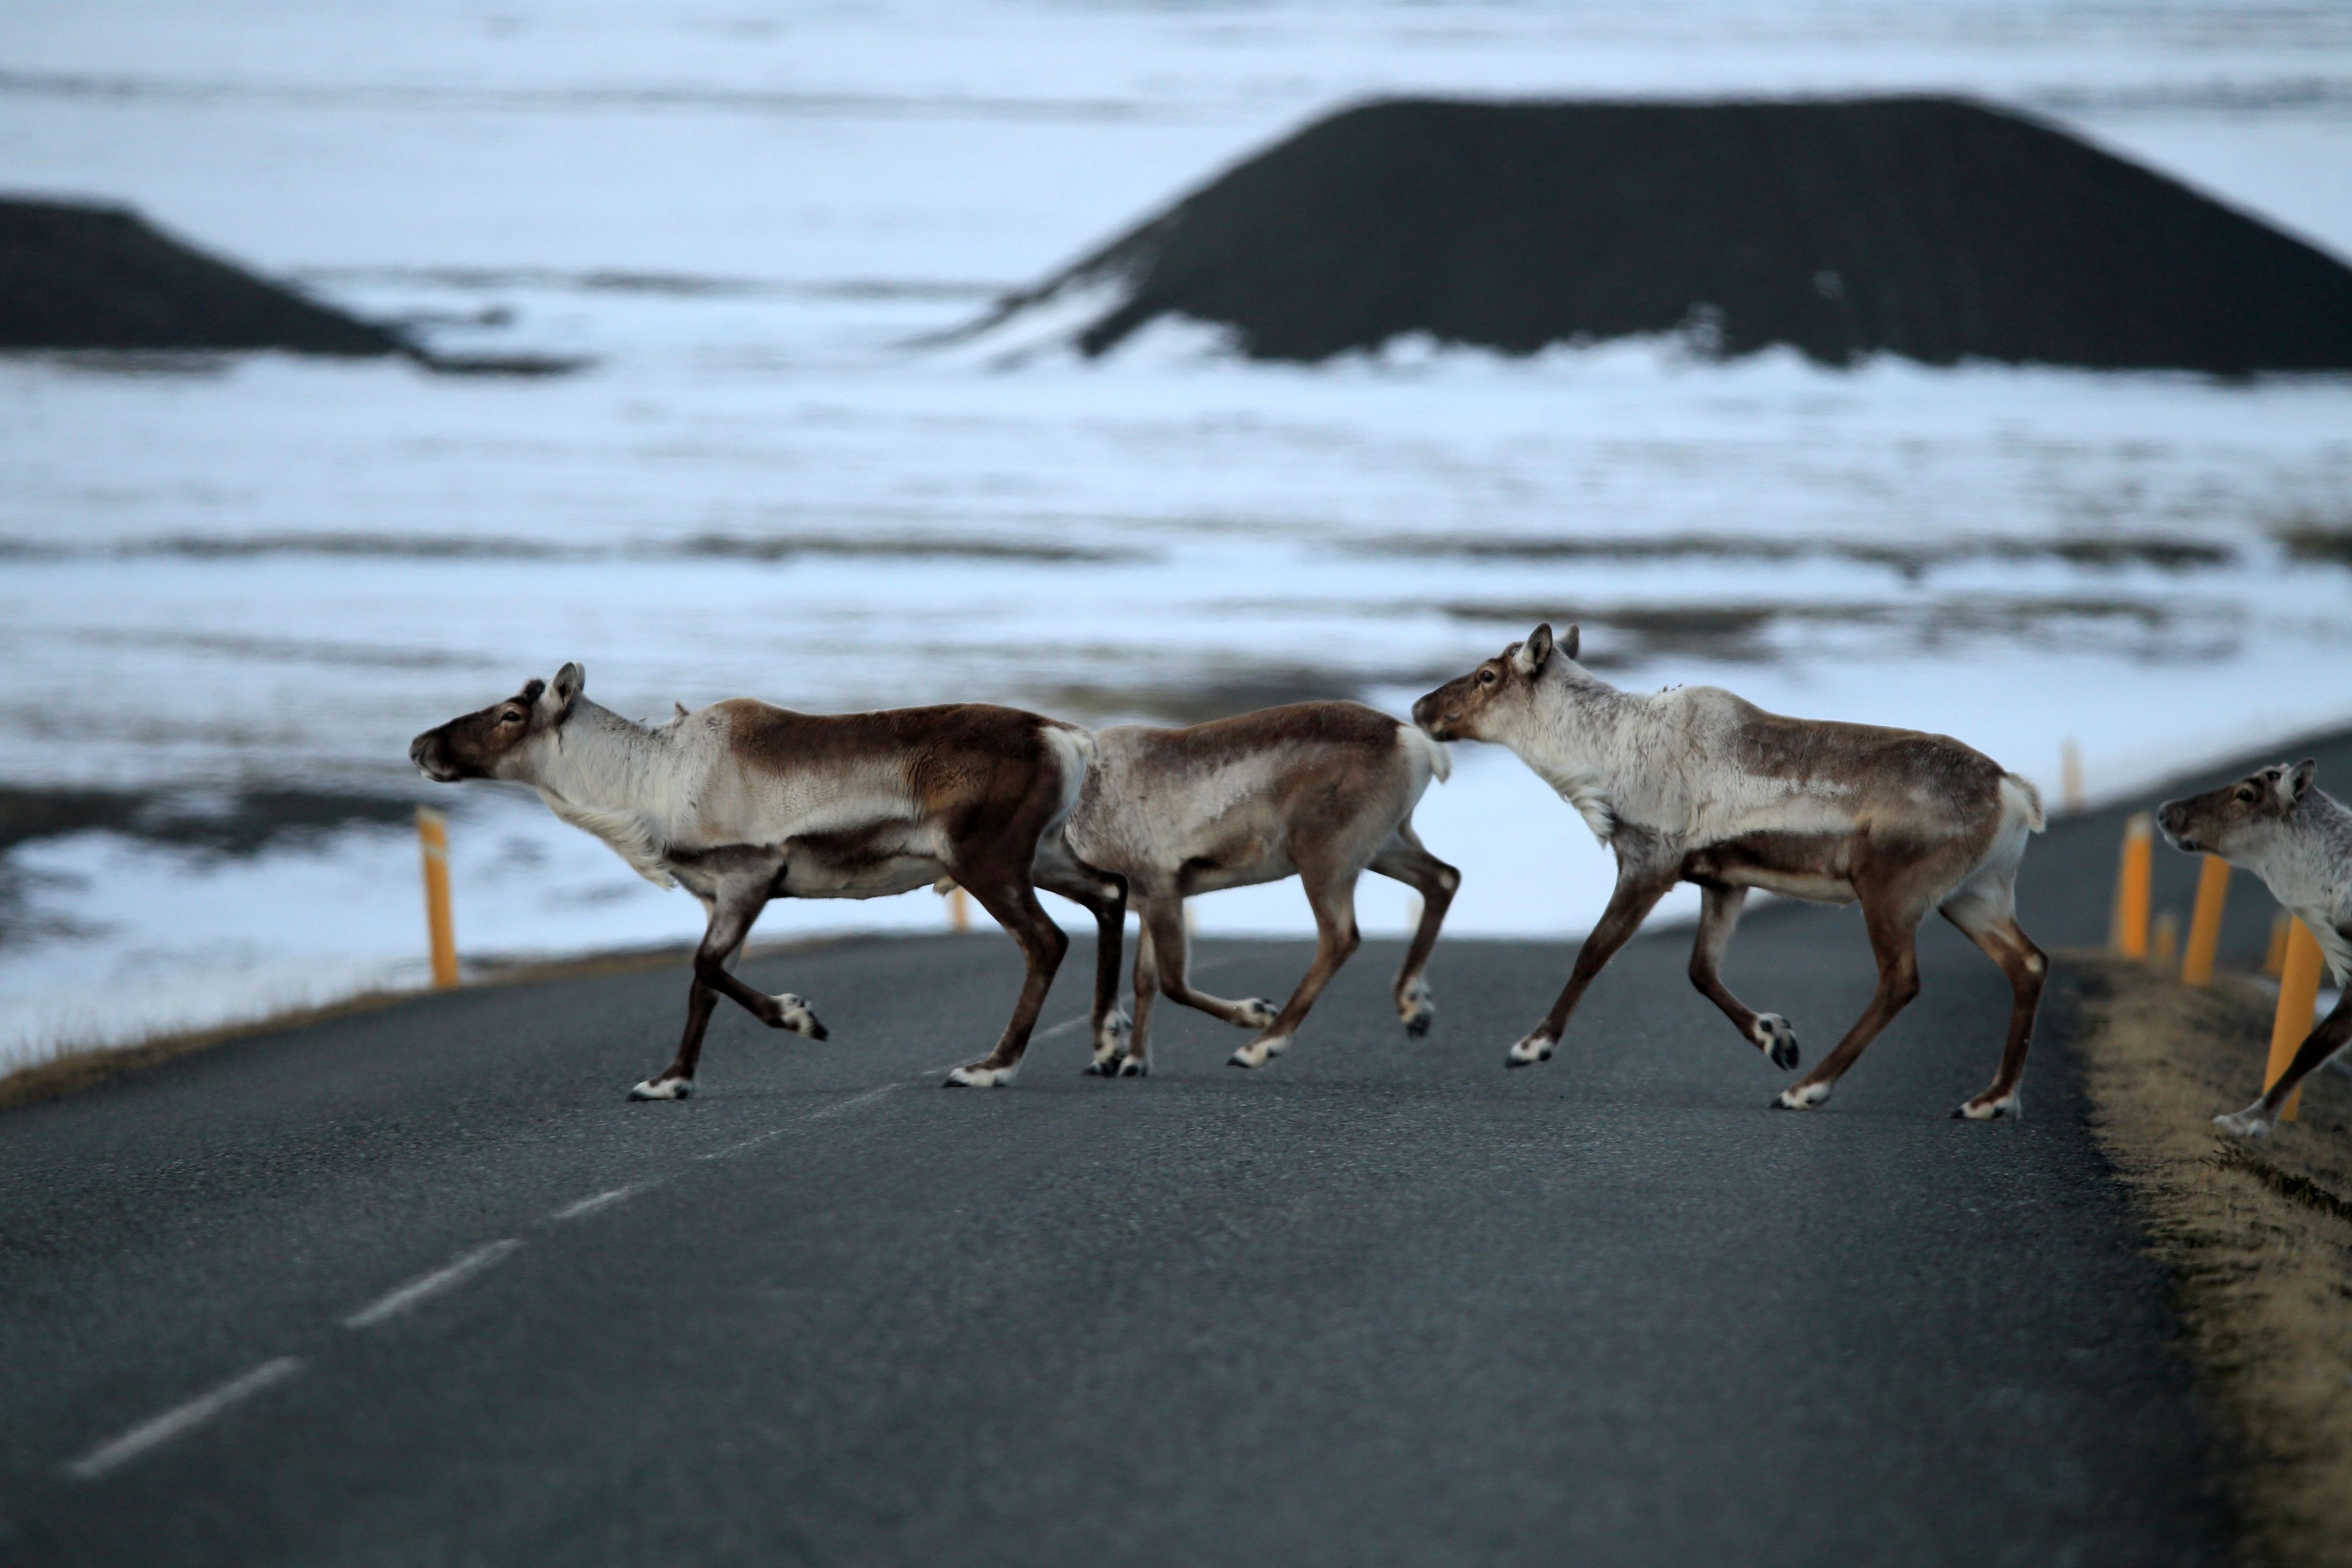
1793,885
1216,878
902,874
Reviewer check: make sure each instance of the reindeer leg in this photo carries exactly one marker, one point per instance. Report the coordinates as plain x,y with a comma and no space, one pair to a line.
1014,904
1173,949
1894,925
1331,894
676,1081
1137,1061
1718,917
2329,1036
742,899
1404,859
1988,915
1105,897
1641,881
730,925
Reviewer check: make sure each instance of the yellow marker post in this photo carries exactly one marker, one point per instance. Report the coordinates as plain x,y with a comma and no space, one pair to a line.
2274,959
2298,1007
2205,922
959,909
2164,946
2070,775
2130,931
433,833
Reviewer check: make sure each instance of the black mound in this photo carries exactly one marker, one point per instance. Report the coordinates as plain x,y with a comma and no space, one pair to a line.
74,276
1927,227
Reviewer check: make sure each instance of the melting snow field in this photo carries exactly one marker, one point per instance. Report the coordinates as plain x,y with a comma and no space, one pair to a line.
231,590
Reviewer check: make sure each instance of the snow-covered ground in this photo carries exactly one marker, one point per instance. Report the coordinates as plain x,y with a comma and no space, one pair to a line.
260,572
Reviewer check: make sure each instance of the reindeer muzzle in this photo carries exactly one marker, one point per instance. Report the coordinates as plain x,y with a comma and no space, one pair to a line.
1425,714
425,752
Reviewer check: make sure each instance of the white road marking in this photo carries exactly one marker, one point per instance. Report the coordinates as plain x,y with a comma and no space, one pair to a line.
853,1102
751,1142
431,1284
591,1204
161,1429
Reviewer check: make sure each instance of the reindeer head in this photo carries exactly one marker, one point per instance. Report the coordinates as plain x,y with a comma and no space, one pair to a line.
2235,819
1483,704
496,743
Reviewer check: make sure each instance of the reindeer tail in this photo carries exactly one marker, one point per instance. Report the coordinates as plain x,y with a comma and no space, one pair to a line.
1075,749
1441,760
2021,800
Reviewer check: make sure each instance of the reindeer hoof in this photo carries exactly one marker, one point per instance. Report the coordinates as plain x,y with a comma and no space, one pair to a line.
1983,1109
1257,1013
1113,1034
1101,1067
2248,1123
1258,1053
1527,1052
1778,1040
978,1077
1801,1097
1134,1067
664,1089
791,1013
1418,1008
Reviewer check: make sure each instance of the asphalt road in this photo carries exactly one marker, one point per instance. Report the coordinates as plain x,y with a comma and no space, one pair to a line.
417,1286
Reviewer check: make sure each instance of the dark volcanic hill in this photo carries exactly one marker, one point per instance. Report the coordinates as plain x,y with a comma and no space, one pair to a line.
1929,227
74,276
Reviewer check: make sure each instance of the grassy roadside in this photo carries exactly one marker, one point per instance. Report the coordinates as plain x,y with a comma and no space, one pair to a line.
72,1070
2257,1236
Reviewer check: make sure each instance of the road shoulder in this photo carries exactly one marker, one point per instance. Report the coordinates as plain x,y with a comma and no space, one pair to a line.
2257,1238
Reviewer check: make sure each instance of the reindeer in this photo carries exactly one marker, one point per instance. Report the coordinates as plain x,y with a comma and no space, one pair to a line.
2298,841
1317,790
740,803
1696,786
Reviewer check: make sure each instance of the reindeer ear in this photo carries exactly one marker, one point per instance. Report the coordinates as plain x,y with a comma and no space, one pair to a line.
1575,638
569,681
2296,782
1535,652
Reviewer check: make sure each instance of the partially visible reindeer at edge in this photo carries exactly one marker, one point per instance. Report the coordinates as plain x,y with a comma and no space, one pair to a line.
2298,841
1694,785
1322,791
741,802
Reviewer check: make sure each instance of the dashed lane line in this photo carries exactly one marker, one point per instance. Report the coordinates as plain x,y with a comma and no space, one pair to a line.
748,1143
854,1101
456,1273
180,1420
595,1201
